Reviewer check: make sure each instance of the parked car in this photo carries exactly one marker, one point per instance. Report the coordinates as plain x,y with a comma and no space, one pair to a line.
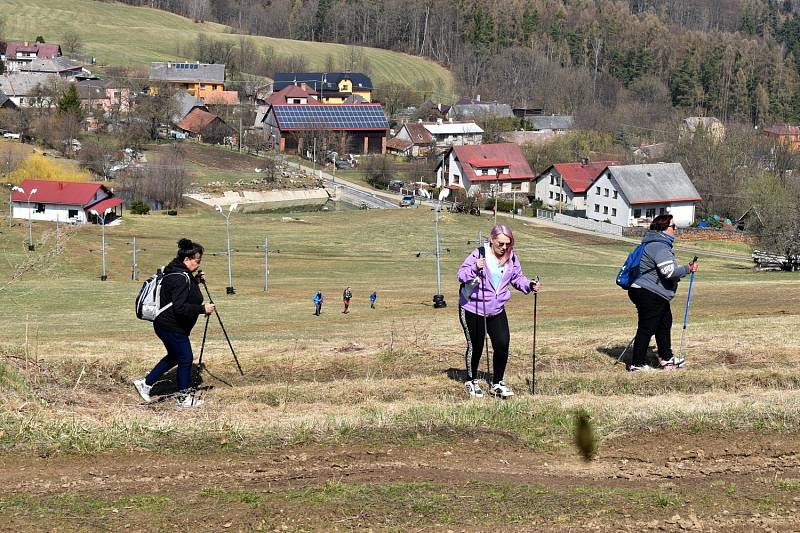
407,201
11,135
343,164
396,185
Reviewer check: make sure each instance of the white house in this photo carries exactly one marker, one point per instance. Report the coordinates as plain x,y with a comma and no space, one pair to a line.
566,183
632,195
441,134
501,165
63,201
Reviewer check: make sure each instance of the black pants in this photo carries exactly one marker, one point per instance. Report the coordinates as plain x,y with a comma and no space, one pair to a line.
655,318
318,309
498,331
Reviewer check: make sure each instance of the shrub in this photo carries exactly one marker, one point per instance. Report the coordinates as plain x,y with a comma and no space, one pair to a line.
138,207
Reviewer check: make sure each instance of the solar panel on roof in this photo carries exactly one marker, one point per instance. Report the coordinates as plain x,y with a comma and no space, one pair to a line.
330,117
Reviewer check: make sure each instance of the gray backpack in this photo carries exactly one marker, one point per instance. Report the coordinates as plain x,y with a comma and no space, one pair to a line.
148,302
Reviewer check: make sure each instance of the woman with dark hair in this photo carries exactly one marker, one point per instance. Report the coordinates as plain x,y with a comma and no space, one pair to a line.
651,293
485,276
180,291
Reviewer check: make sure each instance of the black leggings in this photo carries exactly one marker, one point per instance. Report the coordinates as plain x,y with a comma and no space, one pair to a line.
655,318
497,326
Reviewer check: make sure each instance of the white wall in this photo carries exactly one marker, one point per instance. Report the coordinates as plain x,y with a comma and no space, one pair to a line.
454,171
51,212
544,191
626,215
601,207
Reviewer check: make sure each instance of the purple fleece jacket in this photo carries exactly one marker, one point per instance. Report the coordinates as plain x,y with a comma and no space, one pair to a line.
485,298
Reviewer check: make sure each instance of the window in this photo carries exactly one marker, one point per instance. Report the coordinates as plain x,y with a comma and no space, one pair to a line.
637,213
615,195
72,213
605,209
662,210
552,180
551,195
613,211
596,208
40,208
605,193
651,212
597,190
202,86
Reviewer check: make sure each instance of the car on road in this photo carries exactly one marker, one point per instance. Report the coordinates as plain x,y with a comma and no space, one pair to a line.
407,201
396,185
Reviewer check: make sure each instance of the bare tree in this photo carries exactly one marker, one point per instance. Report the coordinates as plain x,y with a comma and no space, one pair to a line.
71,42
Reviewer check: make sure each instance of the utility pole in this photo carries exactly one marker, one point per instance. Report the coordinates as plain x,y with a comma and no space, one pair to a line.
134,263
102,218
229,289
267,251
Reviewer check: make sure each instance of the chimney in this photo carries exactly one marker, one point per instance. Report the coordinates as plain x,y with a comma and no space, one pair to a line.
478,97
584,161
439,121
419,121
450,120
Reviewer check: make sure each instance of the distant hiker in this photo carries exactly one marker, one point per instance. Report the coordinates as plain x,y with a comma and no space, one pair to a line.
486,275
372,298
181,289
318,299
346,296
651,293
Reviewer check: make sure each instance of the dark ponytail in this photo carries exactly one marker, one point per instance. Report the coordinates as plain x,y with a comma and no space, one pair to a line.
187,248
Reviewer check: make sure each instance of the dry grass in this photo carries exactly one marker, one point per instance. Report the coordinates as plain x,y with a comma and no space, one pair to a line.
385,373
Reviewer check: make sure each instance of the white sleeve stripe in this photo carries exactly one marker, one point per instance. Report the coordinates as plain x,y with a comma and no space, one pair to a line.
664,263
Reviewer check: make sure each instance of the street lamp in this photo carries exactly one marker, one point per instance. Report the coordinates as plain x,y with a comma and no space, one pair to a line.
102,218
30,214
438,298
229,289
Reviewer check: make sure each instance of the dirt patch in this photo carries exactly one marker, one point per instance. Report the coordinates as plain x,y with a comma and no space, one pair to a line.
210,157
651,481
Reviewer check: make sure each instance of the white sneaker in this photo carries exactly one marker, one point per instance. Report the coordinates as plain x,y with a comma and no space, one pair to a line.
143,389
188,400
502,390
473,388
640,368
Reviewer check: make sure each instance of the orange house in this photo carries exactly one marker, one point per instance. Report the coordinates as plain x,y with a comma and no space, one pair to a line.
198,79
784,134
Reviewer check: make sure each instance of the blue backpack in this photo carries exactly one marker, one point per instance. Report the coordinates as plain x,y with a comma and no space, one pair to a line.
629,272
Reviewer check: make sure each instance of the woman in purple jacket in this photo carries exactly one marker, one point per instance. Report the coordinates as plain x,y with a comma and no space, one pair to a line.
485,276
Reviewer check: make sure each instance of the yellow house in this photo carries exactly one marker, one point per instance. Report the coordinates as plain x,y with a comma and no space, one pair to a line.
331,87
198,79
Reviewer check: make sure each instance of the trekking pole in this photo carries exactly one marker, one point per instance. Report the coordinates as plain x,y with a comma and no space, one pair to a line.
625,350
686,311
533,349
211,300
203,345
485,328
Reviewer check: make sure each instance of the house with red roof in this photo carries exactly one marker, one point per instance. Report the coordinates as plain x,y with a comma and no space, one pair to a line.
566,183
64,201
206,127
784,134
500,165
21,53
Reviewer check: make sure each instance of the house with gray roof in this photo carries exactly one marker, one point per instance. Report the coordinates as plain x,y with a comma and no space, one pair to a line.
185,103
25,89
6,102
476,109
66,68
556,123
202,80
632,195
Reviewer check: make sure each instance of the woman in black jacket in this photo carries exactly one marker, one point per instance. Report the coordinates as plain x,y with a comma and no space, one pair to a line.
180,288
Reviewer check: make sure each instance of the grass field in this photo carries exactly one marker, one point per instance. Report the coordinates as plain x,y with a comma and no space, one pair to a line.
360,421
118,34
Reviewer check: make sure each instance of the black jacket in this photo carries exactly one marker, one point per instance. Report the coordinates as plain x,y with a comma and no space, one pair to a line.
186,298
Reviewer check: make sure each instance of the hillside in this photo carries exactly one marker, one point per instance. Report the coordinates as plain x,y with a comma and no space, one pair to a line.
360,421
120,35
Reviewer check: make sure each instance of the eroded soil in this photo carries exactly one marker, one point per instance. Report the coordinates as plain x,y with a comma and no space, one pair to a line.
661,481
